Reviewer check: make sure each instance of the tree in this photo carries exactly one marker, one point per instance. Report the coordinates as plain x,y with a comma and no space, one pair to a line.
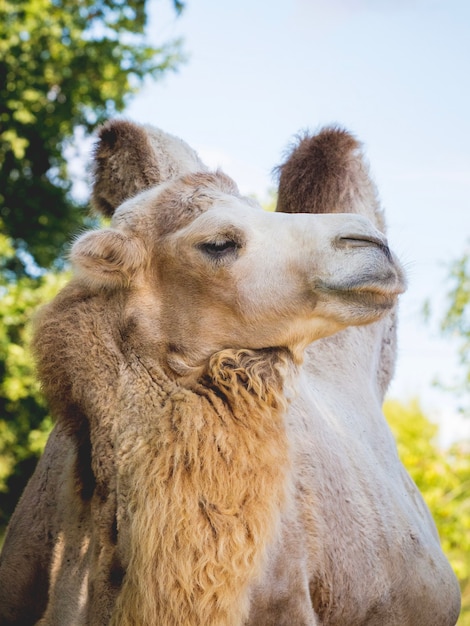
62,66
443,477
24,419
456,320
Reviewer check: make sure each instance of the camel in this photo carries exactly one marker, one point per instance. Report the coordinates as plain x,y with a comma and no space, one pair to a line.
216,373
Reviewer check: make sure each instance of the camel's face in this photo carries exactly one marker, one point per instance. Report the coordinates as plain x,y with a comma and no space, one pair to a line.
208,270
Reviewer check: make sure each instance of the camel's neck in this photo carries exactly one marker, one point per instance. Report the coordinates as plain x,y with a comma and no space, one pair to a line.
365,353
195,475
201,485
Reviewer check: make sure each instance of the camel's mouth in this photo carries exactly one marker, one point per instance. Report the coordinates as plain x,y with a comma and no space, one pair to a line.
364,300
370,298
378,284
387,286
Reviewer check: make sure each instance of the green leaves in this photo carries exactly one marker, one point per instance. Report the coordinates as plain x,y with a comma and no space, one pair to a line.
24,418
443,477
456,321
62,66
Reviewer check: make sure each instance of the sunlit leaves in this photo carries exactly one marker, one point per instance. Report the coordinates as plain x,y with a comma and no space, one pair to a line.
62,66
456,321
24,419
443,477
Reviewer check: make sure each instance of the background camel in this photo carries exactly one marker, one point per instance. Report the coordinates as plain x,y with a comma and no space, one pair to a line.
175,487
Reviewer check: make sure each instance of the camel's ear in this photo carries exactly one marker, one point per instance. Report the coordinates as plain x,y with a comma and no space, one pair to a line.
107,258
327,173
129,158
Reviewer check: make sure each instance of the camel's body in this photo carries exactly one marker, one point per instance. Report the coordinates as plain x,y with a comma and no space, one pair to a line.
199,502
367,545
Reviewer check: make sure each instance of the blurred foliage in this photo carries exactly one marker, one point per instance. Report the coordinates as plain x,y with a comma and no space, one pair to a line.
63,66
456,321
24,419
443,477
269,202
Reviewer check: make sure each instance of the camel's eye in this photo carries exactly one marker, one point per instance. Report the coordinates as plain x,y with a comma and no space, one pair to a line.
220,249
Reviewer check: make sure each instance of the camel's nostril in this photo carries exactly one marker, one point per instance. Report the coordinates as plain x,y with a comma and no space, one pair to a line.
362,241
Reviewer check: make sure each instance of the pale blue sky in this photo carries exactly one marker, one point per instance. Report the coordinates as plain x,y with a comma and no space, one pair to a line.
395,72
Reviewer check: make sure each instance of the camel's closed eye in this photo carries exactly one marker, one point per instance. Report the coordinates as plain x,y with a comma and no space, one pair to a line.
221,248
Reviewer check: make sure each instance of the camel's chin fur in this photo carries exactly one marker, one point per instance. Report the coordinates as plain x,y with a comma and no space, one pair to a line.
201,490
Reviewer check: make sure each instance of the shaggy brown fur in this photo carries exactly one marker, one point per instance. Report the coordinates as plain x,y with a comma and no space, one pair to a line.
82,394
130,158
121,146
326,173
201,490
190,196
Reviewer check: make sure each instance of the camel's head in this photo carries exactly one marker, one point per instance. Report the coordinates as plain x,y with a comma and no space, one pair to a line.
200,268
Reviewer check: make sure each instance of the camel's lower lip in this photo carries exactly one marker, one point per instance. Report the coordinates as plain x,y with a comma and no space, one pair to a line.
362,291
365,298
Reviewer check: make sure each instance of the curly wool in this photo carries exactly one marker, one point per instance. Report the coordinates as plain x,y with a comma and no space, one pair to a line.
201,490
